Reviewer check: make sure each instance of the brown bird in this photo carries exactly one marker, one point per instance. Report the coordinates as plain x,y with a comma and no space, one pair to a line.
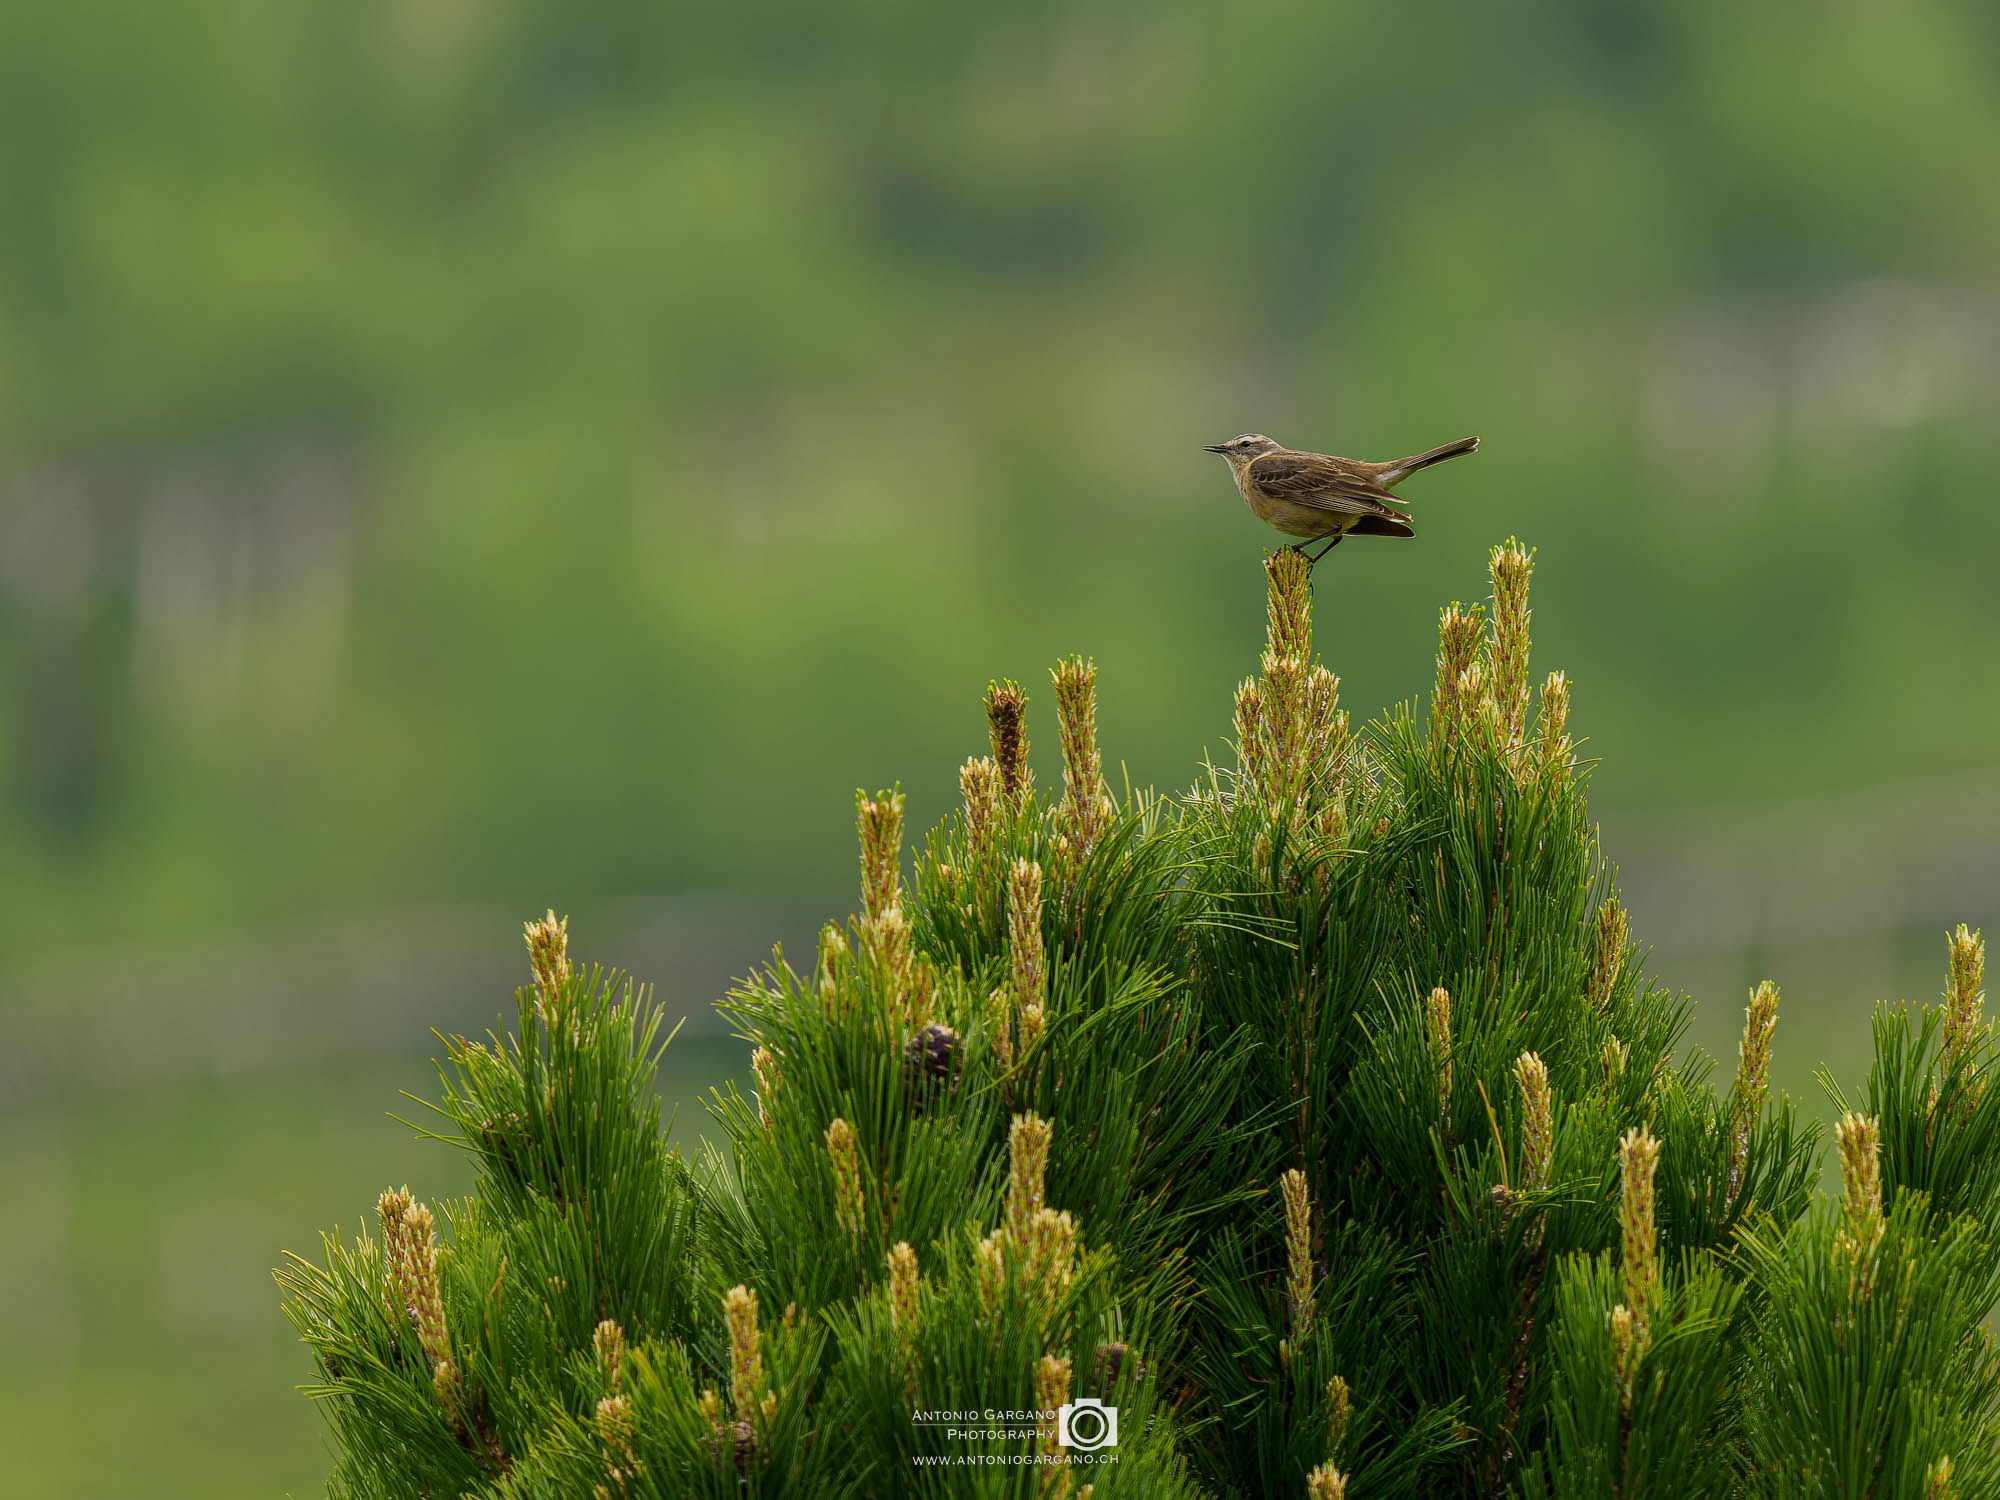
1315,495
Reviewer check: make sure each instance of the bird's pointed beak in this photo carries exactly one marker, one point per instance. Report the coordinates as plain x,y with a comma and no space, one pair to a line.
1212,447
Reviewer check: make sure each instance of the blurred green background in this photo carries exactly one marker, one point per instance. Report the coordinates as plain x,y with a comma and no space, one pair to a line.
458,457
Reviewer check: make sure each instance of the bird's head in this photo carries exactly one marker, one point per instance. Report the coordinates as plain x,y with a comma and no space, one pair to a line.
1240,450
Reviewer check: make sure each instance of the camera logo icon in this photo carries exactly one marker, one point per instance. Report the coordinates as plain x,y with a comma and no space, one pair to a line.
1087,1424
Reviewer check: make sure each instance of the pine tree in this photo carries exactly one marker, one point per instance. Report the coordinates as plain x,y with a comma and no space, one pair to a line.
1320,1120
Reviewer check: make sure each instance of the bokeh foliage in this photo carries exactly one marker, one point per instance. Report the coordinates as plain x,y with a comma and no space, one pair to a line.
370,369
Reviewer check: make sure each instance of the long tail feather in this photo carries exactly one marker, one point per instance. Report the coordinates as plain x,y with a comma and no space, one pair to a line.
1404,467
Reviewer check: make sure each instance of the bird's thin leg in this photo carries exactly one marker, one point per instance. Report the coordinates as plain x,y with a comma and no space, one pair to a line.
1338,538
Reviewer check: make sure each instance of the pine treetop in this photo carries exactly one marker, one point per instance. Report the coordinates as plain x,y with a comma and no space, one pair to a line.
1319,1121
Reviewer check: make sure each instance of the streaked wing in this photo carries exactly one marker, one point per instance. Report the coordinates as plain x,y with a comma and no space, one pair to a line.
1324,483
